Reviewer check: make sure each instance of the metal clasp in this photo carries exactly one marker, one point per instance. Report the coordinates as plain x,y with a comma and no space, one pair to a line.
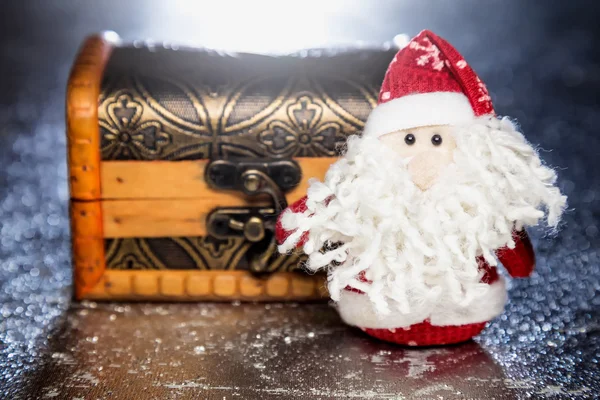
256,224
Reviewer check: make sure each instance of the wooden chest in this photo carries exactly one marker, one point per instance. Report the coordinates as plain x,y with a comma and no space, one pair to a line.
180,160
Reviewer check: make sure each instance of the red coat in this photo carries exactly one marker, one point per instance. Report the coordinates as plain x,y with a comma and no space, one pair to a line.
519,263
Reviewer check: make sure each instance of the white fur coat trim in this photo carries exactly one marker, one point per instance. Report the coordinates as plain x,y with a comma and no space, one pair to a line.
422,109
356,309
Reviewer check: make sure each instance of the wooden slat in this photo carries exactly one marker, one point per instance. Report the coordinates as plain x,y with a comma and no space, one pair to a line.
184,180
162,218
83,145
197,285
162,199
87,241
83,136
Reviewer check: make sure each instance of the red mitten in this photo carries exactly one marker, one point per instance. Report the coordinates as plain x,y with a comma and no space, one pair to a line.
520,261
280,233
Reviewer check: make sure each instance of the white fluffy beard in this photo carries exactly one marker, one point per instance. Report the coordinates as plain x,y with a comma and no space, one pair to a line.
418,249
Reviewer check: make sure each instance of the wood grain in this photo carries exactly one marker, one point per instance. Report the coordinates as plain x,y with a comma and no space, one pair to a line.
152,199
88,244
167,285
185,179
162,217
83,151
162,198
83,135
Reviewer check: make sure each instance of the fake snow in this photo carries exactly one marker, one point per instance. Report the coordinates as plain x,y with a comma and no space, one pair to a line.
199,349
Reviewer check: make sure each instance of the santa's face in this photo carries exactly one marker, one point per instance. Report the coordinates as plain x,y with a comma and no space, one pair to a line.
427,149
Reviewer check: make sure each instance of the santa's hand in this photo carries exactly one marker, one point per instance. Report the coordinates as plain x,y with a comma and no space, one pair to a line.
281,234
520,260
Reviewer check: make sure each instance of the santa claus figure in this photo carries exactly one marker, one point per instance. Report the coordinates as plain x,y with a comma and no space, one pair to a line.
411,221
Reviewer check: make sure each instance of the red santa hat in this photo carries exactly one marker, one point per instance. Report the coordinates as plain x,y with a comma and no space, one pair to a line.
428,83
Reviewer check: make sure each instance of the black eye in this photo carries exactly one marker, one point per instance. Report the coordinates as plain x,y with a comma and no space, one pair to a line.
436,140
409,139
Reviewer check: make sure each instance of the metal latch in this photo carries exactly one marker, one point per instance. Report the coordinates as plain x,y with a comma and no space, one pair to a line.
270,178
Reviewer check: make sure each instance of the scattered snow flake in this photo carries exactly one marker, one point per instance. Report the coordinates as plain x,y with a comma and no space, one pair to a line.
385,95
552,390
461,64
433,389
52,393
199,349
86,379
577,392
519,384
92,339
419,363
185,385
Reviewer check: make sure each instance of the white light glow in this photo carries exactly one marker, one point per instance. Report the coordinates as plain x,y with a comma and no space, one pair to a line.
267,26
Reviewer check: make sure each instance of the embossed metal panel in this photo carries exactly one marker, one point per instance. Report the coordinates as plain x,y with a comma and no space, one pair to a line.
181,105
165,104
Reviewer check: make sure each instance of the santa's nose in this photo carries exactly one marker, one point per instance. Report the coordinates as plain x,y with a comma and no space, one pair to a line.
426,167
